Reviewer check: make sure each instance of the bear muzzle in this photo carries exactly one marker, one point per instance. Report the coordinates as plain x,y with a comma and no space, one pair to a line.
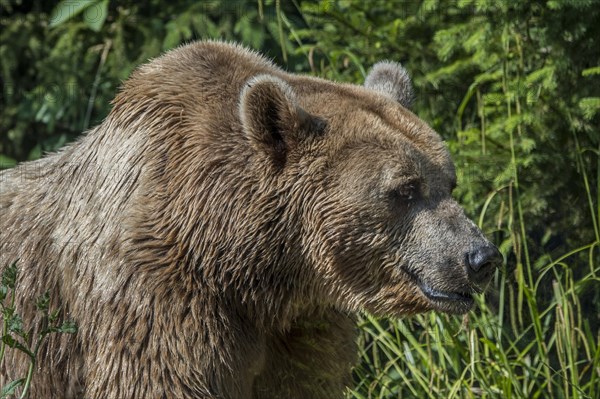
456,294
481,263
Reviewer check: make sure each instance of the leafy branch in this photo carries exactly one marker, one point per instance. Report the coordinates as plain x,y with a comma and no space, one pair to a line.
15,336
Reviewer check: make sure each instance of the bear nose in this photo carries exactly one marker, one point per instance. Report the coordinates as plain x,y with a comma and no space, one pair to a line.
482,261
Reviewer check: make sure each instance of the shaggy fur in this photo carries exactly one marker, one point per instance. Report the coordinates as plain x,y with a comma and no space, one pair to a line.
215,235
392,79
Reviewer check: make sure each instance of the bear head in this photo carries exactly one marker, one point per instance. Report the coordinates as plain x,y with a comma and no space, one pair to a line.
372,190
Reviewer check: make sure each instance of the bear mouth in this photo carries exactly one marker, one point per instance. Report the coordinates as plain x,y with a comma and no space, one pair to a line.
456,302
438,295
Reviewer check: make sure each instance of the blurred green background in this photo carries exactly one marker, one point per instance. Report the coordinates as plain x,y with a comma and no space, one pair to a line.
512,86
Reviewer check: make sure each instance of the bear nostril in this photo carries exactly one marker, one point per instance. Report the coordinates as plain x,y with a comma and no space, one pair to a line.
483,258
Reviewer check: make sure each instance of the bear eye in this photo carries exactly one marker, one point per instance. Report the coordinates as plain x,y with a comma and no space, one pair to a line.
406,191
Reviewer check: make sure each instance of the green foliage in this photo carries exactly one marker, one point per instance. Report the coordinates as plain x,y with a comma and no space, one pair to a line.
513,87
15,336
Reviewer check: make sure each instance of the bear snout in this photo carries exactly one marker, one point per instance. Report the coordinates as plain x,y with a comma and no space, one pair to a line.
481,262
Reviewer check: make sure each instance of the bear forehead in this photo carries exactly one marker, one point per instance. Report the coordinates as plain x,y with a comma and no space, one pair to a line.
364,113
360,120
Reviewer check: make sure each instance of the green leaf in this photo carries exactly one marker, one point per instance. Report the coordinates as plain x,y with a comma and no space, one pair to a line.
67,9
545,77
9,276
95,19
53,316
15,324
590,106
43,301
9,389
6,162
527,144
173,36
68,327
591,71
15,344
35,153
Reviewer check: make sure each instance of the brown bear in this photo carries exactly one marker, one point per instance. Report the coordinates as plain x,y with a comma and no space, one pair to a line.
216,234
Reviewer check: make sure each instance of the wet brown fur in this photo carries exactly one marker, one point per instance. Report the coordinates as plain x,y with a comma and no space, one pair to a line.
204,258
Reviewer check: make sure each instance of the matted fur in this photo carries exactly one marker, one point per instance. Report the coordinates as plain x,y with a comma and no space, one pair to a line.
215,235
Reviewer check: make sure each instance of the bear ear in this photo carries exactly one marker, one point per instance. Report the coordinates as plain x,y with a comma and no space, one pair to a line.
271,118
390,78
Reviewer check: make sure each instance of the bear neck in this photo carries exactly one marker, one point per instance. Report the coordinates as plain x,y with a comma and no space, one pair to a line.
222,227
